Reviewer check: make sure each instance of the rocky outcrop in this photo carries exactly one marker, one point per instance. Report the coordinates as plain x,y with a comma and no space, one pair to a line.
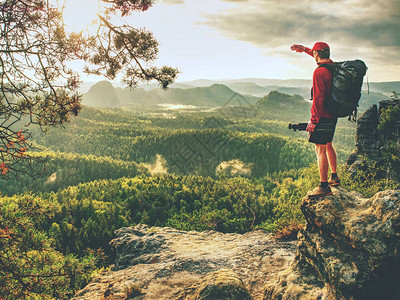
349,249
165,263
372,144
367,137
369,141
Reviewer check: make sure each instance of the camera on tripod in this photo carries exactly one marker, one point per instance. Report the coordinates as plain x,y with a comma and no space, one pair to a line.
299,126
303,127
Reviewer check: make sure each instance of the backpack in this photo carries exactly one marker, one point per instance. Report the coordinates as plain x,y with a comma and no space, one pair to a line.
347,80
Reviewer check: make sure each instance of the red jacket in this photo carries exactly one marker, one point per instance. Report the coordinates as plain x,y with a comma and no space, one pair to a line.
322,85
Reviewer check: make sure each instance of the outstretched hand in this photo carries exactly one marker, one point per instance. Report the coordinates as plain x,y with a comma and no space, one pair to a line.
298,48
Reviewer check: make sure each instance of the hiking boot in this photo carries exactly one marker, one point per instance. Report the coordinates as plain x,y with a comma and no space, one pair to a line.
334,182
320,192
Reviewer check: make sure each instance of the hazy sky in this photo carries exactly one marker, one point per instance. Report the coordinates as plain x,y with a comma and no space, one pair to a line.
217,39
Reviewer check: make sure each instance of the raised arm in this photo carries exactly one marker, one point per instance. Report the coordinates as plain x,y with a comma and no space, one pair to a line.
301,48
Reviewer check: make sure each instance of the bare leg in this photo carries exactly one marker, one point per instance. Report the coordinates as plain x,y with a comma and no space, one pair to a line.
332,158
323,164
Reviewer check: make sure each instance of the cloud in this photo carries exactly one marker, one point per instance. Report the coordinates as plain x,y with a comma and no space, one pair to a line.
171,1
360,26
274,23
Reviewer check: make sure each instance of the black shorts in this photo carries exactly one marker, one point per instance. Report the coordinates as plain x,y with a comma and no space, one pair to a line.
323,132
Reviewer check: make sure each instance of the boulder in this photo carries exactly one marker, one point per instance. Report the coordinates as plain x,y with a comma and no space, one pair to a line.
349,249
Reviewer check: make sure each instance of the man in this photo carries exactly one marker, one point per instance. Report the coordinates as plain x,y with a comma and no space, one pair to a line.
322,84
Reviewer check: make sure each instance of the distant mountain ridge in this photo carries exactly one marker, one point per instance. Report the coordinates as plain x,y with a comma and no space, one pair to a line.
214,95
205,92
381,87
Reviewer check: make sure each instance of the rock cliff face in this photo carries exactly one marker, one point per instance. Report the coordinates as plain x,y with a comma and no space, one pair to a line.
164,263
349,249
371,143
367,137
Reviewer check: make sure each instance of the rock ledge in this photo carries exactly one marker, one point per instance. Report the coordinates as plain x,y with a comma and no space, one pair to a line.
165,263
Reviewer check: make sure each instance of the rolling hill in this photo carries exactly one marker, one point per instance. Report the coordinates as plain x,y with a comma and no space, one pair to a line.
103,94
277,105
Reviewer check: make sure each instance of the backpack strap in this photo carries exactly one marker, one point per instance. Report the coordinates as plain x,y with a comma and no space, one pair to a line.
326,66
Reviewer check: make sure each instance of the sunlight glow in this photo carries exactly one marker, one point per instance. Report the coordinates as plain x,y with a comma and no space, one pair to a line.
80,15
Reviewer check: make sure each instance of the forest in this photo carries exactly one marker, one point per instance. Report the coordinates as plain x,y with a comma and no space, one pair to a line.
110,168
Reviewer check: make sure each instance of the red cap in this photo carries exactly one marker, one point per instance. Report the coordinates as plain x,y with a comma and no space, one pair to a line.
320,46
